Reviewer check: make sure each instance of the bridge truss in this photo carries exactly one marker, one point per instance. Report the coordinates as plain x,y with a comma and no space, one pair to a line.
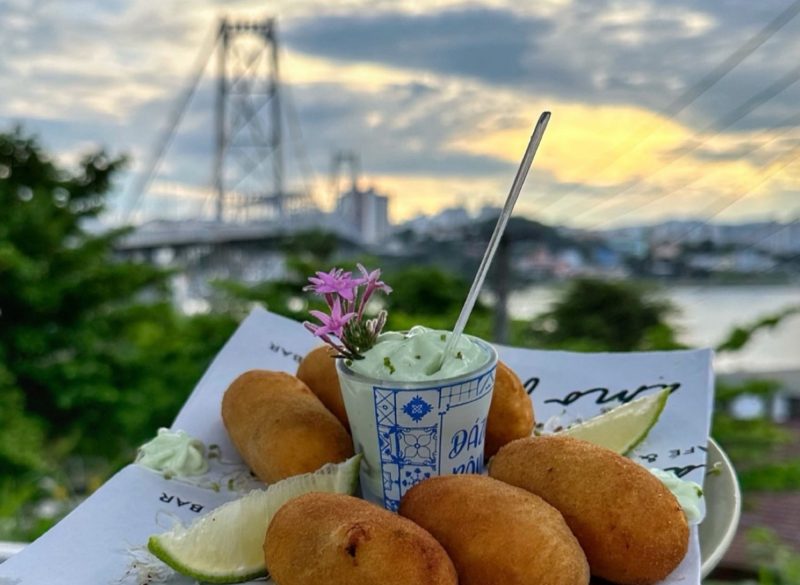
249,179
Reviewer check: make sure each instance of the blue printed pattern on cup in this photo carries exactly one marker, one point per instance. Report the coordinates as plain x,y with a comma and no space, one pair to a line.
412,425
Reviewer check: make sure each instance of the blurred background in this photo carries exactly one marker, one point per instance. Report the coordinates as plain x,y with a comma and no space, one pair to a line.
165,167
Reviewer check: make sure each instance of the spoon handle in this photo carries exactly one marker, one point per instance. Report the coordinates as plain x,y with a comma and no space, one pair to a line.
488,256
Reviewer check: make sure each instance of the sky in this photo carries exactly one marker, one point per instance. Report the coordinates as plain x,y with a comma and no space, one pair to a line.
438,98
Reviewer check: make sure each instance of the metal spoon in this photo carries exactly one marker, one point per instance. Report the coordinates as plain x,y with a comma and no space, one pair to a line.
488,256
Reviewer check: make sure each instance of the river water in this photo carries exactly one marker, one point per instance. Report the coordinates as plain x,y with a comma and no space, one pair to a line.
707,314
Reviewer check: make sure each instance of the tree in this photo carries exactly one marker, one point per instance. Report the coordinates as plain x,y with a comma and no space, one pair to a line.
93,357
59,286
432,297
305,253
778,563
597,315
741,335
748,442
751,443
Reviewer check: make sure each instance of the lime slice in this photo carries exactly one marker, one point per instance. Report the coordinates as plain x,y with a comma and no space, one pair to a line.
623,427
226,545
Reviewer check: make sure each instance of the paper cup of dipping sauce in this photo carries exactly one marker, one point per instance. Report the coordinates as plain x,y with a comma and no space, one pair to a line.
410,431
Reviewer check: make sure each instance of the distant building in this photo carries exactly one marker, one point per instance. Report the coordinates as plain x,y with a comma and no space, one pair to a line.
488,212
367,212
752,261
605,258
666,251
536,264
451,218
570,263
744,261
781,407
769,236
630,241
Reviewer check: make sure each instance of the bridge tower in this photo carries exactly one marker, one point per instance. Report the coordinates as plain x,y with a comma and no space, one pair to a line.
249,173
339,159
249,177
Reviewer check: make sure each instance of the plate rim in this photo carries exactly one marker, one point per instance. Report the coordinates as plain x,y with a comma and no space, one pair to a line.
709,563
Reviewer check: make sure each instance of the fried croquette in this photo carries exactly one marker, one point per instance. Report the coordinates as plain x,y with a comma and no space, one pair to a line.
495,533
630,526
510,413
318,371
279,427
341,540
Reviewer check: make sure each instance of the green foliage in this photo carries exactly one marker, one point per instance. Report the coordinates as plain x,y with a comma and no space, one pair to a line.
595,315
59,285
432,297
426,291
282,298
741,335
16,493
306,253
726,394
747,441
155,357
21,435
774,477
313,246
420,295
93,357
750,443
778,563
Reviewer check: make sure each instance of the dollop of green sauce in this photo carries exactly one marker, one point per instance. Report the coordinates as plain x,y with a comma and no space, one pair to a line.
408,357
688,493
175,453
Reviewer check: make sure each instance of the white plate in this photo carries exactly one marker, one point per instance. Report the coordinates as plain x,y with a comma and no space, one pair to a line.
723,508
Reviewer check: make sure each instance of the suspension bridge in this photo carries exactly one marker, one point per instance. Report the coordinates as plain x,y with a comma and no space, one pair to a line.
250,198
232,227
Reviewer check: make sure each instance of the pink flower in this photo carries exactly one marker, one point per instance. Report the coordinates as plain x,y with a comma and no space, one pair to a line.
334,323
373,283
371,279
326,338
344,327
334,282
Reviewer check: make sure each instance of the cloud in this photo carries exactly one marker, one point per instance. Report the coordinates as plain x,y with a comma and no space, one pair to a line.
438,101
403,128
477,42
635,53
401,131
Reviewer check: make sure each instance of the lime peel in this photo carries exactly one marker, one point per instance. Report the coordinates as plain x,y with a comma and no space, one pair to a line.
624,427
226,545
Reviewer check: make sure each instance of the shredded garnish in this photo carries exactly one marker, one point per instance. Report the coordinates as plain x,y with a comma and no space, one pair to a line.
144,568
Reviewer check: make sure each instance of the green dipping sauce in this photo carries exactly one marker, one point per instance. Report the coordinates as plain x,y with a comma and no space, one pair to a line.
408,357
688,493
175,453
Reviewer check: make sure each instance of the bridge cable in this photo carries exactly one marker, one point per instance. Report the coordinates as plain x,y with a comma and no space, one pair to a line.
688,97
747,107
788,125
143,181
298,141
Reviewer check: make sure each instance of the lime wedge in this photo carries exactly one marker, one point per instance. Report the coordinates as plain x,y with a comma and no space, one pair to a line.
226,545
623,427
